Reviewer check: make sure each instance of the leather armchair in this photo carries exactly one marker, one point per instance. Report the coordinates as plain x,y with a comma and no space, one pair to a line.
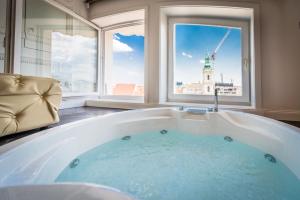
27,102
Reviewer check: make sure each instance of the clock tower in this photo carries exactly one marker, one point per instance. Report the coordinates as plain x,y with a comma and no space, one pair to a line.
208,77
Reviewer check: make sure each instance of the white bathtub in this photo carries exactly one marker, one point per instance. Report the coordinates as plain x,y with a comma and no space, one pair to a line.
41,159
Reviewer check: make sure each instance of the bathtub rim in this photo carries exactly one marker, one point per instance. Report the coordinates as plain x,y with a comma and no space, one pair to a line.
173,114
29,138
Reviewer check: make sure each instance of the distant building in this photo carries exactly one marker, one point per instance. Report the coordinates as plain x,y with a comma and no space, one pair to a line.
208,77
127,89
228,89
192,88
208,84
138,90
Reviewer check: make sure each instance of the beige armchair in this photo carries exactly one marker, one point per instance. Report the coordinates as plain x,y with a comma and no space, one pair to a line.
27,102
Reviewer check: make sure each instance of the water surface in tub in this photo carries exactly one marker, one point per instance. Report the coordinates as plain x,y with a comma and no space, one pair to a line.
179,166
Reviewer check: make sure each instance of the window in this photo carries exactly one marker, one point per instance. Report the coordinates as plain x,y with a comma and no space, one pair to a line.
3,8
208,54
57,45
124,61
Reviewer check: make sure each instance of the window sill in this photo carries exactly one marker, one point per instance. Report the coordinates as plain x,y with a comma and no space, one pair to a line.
83,94
134,104
232,107
292,115
113,103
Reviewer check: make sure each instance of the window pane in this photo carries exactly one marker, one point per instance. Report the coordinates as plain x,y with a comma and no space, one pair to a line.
124,61
207,57
2,33
57,45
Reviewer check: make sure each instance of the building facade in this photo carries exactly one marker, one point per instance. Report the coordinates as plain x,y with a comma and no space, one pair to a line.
208,83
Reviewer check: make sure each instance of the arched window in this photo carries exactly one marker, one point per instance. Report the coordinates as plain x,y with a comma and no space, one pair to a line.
208,77
208,89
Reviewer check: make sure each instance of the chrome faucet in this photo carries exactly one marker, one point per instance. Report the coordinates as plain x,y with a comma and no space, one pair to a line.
181,108
216,109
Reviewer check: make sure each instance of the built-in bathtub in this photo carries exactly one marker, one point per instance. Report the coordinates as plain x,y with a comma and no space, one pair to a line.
41,159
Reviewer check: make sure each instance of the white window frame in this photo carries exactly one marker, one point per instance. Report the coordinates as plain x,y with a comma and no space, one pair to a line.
103,94
18,40
245,99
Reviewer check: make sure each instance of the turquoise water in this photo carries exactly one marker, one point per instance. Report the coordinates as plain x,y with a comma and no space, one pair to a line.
180,166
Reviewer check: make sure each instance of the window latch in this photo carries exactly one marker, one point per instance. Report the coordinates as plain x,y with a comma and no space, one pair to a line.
246,64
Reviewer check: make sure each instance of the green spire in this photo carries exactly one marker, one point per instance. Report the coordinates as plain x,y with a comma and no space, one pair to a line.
207,63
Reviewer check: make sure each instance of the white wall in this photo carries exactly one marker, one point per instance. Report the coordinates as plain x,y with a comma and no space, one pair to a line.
77,6
280,37
280,48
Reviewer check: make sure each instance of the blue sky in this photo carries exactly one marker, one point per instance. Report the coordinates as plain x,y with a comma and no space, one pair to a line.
193,42
128,59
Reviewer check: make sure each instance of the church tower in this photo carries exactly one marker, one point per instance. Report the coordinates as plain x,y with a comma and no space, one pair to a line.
208,77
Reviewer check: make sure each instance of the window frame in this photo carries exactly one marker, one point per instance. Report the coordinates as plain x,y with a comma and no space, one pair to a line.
9,34
17,41
244,24
103,95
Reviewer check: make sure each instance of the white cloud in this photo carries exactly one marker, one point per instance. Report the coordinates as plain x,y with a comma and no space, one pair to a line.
121,47
186,55
131,34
